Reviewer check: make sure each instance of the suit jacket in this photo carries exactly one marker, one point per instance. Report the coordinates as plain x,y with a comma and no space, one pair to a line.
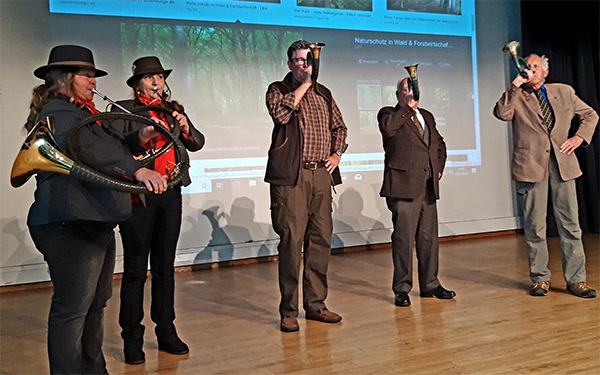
408,159
532,144
60,197
193,142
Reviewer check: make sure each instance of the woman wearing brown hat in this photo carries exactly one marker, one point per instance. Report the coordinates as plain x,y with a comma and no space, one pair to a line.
153,230
70,221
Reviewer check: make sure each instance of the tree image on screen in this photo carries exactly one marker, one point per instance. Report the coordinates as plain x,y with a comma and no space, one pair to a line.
223,71
338,4
426,6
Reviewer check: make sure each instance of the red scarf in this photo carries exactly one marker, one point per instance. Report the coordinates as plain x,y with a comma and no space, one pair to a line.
168,158
83,104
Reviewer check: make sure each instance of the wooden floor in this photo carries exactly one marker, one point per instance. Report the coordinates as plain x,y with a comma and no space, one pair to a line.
229,318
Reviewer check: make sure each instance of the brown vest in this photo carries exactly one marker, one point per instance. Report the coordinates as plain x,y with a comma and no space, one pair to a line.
287,142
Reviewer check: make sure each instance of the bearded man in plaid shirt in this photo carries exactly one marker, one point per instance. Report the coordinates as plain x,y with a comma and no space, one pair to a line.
309,137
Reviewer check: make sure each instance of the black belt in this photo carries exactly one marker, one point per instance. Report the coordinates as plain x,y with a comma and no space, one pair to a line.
312,165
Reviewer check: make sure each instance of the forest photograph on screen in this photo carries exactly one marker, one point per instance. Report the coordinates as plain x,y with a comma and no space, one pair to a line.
222,71
365,5
426,6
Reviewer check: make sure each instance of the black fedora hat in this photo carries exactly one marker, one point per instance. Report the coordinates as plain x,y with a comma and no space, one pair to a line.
146,65
69,57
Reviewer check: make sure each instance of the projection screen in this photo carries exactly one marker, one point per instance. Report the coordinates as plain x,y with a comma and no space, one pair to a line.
225,53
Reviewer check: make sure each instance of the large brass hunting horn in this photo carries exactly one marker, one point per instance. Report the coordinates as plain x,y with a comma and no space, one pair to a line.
152,153
413,82
312,59
40,152
520,63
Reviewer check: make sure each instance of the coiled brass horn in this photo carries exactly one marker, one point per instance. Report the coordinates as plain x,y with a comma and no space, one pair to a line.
413,82
520,63
151,154
312,59
40,152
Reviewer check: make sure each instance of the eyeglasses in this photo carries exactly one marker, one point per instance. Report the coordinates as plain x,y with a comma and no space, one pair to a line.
299,61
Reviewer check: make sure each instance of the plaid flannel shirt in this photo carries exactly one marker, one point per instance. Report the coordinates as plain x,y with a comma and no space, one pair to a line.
314,120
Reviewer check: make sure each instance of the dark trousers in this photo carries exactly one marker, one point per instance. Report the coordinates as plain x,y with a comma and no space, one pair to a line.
415,221
151,232
81,260
301,214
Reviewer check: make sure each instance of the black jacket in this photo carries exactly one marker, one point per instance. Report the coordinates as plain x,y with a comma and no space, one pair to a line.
59,197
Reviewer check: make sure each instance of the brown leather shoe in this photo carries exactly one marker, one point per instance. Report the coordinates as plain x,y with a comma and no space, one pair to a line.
324,316
581,290
540,289
289,324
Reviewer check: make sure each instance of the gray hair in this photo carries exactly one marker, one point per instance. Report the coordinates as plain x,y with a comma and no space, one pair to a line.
399,84
545,61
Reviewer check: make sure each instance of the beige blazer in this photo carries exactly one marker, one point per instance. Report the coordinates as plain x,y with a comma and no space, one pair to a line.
531,142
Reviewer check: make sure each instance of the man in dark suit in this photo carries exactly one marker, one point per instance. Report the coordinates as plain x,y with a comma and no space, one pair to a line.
415,154
543,161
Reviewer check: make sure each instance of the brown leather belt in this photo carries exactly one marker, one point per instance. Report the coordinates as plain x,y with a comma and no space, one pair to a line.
312,165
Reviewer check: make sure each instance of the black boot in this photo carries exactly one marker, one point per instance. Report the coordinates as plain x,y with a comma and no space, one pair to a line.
133,343
169,342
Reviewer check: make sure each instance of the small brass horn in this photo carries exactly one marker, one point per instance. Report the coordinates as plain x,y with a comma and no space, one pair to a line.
413,82
520,63
313,58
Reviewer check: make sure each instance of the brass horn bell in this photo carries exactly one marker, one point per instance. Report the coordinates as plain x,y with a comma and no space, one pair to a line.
520,63
413,82
313,58
39,153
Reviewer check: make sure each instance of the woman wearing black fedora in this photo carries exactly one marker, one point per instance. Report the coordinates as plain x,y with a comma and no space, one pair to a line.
153,230
71,222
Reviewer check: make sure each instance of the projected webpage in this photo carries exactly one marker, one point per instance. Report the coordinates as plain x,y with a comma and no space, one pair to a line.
448,17
227,52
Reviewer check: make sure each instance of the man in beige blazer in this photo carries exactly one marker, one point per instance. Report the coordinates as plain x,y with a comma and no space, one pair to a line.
543,161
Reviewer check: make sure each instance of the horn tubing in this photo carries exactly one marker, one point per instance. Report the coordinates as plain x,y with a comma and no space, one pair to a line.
146,160
176,131
112,102
84,172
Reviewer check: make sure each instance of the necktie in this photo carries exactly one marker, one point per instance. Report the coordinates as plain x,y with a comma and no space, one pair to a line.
418,125
546,111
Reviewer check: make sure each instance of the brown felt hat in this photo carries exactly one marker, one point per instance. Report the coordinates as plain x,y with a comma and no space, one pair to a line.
146,65
69,57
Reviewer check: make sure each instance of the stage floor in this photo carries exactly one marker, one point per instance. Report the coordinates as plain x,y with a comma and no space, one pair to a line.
229,318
